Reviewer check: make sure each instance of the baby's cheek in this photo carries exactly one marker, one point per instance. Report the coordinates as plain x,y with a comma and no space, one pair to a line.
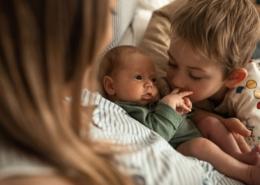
156,96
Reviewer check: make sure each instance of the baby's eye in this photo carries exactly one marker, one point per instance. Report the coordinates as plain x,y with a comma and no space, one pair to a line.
138,77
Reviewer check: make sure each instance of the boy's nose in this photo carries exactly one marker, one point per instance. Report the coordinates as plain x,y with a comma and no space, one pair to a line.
176,82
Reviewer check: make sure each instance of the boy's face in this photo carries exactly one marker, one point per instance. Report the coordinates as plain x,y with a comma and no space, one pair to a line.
135,80
188,70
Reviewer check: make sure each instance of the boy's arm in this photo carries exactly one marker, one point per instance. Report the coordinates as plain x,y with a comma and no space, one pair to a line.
162,119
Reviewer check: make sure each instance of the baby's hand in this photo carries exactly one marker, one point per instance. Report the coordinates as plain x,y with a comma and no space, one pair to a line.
178,101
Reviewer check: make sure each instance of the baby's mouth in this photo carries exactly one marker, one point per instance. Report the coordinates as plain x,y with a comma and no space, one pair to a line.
147,96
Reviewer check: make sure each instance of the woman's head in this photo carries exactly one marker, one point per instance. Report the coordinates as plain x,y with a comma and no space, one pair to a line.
46,49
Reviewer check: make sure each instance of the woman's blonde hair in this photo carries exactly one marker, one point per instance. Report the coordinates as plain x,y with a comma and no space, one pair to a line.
224,31
44,46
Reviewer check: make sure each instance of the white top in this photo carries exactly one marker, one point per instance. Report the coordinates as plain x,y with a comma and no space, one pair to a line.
243,102
152,160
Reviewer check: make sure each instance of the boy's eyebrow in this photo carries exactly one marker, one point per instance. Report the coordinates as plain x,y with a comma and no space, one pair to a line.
196,68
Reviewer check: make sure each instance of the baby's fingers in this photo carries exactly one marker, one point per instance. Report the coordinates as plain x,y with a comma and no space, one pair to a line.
175,91
185,93
185,108
187,102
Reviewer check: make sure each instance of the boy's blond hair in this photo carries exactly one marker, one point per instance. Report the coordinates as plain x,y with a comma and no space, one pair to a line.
224,31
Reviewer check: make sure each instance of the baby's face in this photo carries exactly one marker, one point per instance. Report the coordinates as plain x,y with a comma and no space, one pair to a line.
188,70
135,80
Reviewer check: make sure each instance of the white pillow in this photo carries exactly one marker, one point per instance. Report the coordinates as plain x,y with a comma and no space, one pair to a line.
125,10
143,13
153,4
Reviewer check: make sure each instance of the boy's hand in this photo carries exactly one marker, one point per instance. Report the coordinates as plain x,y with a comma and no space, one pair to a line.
242,144
239,131
234,125
179,101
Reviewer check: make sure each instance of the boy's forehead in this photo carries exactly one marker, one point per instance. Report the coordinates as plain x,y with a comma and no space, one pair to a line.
183,54
183,50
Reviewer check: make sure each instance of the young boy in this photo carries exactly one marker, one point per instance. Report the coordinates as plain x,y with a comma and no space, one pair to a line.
210,55
128,78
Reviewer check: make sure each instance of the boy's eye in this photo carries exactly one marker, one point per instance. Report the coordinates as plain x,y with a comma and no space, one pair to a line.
195,77
138,77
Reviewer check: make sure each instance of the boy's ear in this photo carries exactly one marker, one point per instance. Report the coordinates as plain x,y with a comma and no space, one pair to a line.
108,85
235,77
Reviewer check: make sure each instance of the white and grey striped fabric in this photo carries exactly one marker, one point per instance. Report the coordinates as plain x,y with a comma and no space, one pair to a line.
152,161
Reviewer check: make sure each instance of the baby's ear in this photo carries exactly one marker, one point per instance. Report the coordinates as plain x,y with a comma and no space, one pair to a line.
235,77
108,85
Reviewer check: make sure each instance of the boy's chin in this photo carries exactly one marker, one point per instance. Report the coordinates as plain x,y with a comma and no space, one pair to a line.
203,104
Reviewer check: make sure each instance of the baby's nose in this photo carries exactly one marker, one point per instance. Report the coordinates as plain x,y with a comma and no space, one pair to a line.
148,83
